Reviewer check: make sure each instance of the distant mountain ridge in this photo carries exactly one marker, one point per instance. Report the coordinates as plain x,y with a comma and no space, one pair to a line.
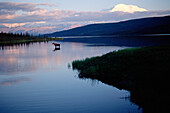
152,25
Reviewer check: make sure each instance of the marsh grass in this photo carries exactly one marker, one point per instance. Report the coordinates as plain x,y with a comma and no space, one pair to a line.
127,63
143,71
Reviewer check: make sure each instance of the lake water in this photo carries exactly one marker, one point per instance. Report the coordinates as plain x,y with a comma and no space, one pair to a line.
36,79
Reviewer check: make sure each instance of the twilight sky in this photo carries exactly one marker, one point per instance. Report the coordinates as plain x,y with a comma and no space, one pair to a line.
46,16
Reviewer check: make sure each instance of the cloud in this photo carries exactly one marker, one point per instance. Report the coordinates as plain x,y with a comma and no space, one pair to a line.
47,4
21,24
10,11
127,8
28,17
14,24
96,17
37,28
73,26
11,6
6,17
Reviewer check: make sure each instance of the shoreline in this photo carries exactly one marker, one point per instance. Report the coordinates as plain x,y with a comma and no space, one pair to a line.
28,40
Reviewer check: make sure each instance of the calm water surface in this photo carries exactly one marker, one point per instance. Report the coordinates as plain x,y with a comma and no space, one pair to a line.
36,79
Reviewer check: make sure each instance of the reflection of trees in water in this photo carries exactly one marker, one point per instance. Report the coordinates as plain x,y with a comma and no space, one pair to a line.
28,57
6,46
23,44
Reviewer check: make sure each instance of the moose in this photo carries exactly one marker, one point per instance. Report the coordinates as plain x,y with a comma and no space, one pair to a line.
56,45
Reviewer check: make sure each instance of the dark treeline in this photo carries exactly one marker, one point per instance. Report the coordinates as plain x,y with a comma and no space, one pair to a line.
18,36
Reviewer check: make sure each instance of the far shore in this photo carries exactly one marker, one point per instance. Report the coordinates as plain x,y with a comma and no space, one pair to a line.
28,40
15,38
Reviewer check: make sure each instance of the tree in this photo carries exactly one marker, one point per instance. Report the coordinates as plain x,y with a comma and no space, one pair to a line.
21,35
39,36
27,34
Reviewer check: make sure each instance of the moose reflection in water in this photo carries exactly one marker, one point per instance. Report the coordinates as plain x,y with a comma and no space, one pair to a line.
56,49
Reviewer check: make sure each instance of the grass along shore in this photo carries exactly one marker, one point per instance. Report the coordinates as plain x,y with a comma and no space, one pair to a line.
131,63
143,71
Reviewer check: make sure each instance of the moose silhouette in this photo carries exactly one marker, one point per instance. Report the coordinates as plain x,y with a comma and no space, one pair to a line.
56,45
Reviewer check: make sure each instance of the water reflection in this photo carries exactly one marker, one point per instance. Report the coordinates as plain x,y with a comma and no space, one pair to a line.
128,41
56,49
93,82
29,57
25,58
40,81
11,81
9,46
